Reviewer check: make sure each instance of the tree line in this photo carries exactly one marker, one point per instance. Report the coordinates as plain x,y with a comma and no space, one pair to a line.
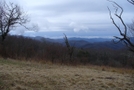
26,48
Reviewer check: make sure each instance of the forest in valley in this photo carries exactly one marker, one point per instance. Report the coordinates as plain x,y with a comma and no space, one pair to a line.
30,49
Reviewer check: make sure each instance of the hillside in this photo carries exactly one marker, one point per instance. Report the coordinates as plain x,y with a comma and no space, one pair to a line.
21,75
94,43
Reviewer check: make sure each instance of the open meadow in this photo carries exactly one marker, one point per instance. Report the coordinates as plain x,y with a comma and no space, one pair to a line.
26,75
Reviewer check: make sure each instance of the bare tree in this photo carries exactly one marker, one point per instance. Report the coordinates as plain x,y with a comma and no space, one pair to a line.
69,47
11,15
125,33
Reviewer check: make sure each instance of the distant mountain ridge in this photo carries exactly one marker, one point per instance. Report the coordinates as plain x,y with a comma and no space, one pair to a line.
91,40
94,43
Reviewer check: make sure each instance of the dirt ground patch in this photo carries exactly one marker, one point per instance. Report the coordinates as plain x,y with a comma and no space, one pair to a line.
20,75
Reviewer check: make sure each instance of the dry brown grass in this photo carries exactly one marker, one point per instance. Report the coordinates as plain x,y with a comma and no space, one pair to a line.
20,75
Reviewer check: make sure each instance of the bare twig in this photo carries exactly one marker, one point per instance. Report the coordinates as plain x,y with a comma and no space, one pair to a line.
125,38
131,1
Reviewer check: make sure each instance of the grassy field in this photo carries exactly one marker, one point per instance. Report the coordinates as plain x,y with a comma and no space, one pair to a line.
22,75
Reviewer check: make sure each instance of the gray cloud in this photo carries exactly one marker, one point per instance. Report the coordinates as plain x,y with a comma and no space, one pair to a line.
75,6
74,17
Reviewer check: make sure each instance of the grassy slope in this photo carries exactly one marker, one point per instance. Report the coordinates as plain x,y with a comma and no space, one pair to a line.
20,75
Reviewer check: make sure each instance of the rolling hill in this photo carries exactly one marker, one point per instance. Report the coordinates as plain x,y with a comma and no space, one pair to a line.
94,43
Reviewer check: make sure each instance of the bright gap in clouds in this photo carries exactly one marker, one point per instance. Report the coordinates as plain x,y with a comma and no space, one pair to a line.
76,18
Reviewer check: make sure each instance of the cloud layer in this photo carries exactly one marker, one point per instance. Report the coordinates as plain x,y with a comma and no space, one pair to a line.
74,17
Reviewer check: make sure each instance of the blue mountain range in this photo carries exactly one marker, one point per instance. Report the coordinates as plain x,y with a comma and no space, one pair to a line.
94,43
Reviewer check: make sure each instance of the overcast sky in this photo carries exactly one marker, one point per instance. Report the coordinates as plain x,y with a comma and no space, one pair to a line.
75,18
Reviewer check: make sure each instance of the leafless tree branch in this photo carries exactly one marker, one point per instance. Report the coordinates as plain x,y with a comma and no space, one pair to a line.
124,33
11,15
131,1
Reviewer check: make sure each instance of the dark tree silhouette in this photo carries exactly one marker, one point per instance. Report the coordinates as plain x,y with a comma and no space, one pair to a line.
125,33
11,15
69,47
